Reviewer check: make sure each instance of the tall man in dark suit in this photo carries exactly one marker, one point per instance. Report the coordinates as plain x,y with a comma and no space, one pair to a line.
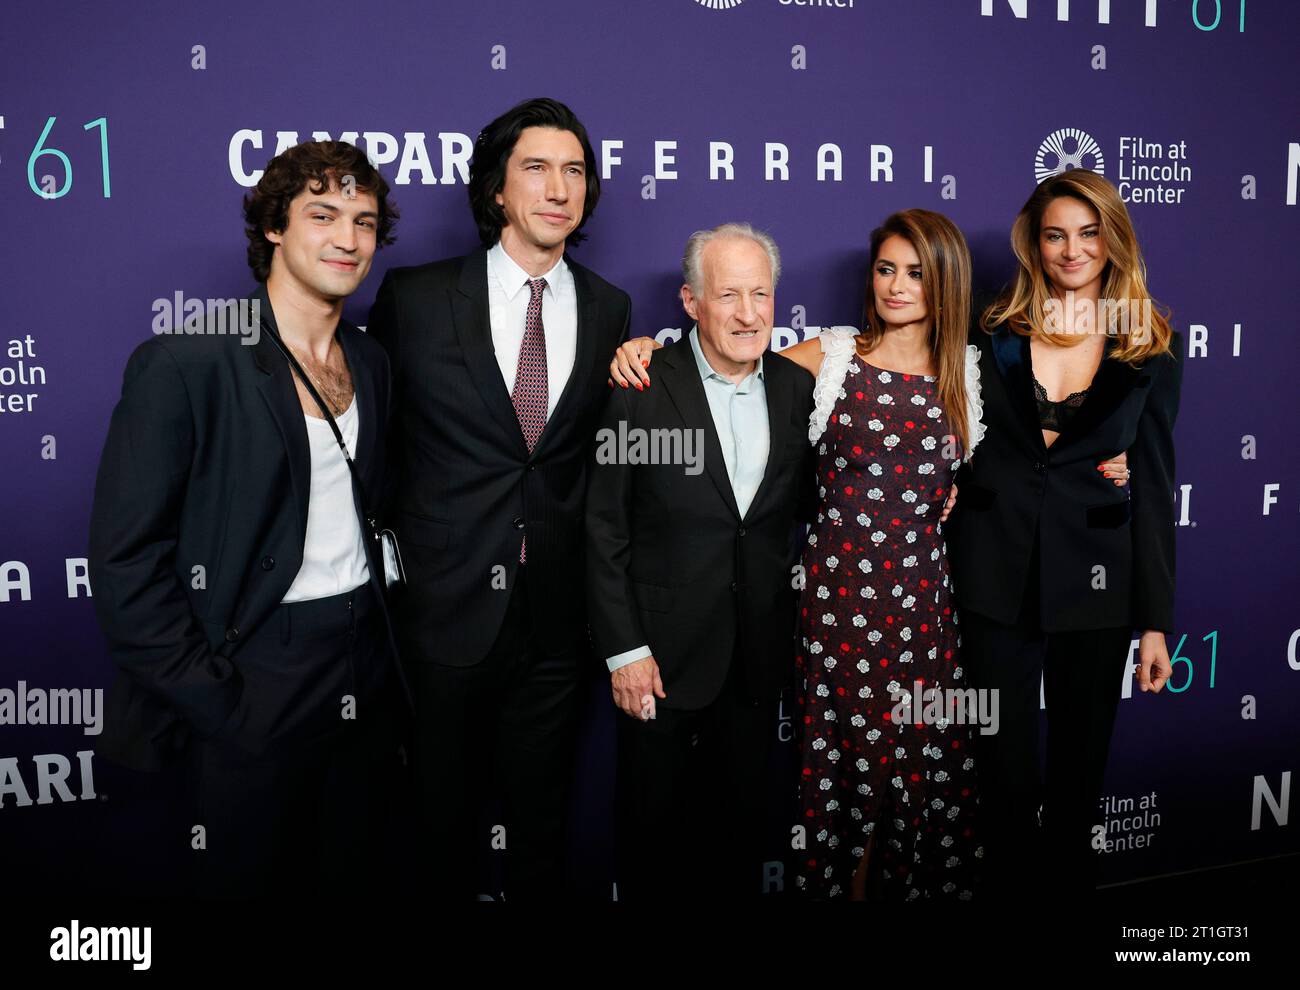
233,577
498,362
690,583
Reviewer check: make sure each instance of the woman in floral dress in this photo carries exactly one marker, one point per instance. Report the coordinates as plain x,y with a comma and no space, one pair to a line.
887,792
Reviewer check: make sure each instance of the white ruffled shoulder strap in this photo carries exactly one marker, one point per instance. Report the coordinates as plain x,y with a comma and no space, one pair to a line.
837,349
974,400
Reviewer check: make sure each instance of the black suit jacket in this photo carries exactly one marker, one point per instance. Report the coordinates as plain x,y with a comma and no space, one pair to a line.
465,488
671,563
206,465
1015,484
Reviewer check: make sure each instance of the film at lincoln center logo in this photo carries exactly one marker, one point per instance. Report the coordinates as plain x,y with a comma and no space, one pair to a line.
720,4
1066,149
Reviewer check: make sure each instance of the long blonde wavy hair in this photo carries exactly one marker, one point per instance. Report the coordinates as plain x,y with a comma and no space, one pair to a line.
946,280
1023,306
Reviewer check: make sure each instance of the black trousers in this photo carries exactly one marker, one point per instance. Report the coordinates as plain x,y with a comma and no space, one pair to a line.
1081,675
293,795
510,718
690,797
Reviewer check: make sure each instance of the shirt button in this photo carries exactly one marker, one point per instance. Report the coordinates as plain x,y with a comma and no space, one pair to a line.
1038,466
268,562
735,586
232,634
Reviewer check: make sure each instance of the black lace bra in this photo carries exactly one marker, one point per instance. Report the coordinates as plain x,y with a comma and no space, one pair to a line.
1055,415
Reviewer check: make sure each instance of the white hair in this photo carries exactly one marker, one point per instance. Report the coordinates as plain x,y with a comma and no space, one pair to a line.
691,269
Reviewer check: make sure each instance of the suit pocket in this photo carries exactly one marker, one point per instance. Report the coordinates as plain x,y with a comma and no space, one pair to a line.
423,532
971,496
1109,516
652,597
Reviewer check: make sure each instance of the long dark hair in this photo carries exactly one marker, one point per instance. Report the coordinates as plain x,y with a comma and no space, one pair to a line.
492,148
946,279
317,165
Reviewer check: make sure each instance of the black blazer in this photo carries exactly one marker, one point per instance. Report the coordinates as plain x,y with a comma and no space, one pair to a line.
206,464
1015,484
464,487
671,563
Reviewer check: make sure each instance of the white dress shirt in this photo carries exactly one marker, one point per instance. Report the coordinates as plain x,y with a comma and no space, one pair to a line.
333,554
508,298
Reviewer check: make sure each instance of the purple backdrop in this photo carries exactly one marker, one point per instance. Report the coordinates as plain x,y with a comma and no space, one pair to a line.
951,99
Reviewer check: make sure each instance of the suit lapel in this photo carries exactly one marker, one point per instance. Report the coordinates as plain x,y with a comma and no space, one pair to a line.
681,380
472,319
779,401
281,397
366,385
1011,354
584,353
1110,386
367,398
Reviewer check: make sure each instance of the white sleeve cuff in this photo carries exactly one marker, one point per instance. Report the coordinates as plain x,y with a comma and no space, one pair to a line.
631,656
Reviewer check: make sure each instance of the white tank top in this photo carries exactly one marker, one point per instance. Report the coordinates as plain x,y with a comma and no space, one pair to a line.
333,554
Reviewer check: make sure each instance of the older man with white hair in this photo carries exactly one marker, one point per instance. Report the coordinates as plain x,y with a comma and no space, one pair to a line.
690,589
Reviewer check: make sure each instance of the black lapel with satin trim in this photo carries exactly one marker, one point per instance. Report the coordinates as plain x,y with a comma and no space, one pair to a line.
473,322
366,386
366,383
1011,354
281,397
681,380
584,353
1110,386
777,390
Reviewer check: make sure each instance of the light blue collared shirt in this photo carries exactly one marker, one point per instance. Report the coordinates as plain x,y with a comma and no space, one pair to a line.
740,418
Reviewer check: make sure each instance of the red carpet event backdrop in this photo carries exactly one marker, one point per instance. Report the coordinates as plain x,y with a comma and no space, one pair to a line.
129,133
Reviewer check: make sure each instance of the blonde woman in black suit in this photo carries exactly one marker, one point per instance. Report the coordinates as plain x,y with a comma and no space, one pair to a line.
1053,565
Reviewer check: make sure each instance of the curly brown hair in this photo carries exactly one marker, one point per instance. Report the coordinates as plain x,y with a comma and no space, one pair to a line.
319,165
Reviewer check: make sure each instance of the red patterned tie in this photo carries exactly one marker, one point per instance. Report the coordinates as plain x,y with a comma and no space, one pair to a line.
531,387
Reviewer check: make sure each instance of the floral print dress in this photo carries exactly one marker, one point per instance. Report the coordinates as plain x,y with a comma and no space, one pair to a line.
877,618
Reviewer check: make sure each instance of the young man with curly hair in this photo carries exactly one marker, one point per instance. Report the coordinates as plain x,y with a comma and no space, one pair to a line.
235,578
